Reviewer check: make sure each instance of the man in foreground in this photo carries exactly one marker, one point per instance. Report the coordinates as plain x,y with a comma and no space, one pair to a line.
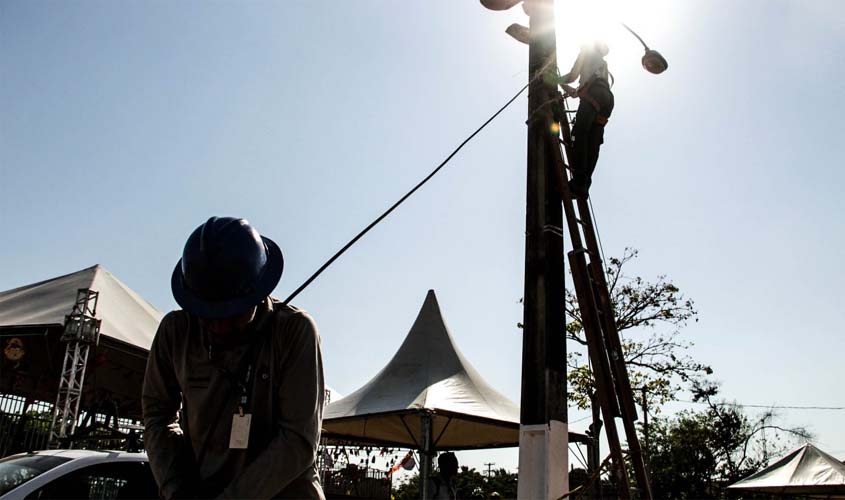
233,392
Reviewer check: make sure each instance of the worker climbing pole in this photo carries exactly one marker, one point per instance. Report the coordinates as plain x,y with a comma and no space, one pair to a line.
594,109
543,437
559,172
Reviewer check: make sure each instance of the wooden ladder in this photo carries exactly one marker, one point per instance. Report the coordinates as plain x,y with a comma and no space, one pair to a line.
613,388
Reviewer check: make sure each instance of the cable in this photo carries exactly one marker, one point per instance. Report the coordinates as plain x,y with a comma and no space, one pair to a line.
775,407
405,197
598,234
582,459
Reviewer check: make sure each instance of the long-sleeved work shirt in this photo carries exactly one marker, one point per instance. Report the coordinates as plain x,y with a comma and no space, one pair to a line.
191,454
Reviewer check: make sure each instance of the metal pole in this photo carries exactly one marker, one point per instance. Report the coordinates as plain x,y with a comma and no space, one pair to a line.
543,449
645,422
425,456
594,457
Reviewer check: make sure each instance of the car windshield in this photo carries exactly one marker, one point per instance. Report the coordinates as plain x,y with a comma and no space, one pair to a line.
14,471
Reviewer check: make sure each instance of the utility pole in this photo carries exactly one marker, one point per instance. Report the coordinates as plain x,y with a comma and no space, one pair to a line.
543,436
543,440
489,468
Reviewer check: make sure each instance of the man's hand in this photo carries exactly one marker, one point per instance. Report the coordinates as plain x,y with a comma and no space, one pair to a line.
569,91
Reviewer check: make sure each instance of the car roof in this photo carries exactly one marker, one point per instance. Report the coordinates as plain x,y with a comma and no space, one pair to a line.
75,454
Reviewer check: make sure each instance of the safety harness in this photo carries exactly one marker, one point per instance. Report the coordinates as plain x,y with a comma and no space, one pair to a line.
584,94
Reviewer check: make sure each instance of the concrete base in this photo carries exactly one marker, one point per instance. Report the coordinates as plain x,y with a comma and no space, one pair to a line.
543,461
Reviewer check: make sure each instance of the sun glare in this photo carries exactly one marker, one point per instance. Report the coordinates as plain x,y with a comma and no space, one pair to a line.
583,21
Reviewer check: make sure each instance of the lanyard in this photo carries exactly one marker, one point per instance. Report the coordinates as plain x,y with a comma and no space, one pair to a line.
244,379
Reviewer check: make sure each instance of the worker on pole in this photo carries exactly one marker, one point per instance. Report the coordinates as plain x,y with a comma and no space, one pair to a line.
594,109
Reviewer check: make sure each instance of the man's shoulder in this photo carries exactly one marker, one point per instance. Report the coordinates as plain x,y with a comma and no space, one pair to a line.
172,323
290,321
175,319
290,314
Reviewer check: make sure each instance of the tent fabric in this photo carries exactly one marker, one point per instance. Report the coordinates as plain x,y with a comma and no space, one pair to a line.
427,374
806,471
126,316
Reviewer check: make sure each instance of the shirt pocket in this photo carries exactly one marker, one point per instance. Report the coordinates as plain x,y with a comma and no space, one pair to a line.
199,382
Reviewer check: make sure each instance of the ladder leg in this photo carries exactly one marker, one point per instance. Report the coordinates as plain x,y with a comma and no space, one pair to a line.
620,375
605,348
601,368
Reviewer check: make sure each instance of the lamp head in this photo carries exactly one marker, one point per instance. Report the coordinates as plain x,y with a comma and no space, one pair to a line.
519,33
653,62
499,4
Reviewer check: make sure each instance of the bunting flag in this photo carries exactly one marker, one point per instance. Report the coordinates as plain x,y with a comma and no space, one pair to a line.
408,463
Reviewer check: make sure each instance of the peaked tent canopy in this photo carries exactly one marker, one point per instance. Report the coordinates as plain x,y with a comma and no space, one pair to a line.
428,375
126,316
34,315
806,471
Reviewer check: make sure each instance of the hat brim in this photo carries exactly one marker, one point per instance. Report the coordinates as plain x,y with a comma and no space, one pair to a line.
230,307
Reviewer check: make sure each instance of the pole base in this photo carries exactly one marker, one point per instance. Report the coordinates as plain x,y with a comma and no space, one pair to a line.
543,461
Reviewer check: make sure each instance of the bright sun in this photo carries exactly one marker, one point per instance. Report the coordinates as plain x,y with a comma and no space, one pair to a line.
582,21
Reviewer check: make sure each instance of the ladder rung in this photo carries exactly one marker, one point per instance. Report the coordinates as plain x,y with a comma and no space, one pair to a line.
582,250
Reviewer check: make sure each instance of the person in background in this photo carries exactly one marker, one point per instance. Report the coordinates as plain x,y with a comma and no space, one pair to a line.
233,391
442,486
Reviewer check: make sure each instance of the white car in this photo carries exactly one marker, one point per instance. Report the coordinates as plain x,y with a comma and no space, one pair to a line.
76,474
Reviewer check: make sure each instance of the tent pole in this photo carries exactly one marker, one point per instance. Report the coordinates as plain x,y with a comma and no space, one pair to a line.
425,455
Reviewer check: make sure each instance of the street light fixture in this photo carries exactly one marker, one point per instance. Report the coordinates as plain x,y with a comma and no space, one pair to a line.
499,4
652,61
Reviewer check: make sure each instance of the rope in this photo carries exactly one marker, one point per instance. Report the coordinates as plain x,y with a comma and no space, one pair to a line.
598,237
585,488
405,197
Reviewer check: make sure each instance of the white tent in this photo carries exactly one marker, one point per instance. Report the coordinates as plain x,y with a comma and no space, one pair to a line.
126,316
804,472
33,315
332,394
427,375
428,397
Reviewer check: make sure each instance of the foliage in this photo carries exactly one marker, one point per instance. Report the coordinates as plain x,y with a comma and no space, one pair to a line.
470,484
656,362
697,454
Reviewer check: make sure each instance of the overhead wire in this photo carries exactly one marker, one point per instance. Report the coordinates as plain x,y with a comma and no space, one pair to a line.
539,73
773,407
403,198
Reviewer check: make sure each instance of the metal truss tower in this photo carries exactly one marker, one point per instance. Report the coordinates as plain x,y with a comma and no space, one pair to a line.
82,330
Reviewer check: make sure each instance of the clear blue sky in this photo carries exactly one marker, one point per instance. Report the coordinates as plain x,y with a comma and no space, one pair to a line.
124,125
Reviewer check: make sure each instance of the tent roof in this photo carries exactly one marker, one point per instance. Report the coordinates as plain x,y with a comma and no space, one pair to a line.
427,374
806,471
126,315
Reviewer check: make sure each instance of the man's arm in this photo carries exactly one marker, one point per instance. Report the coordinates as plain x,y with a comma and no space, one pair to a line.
575,71
171,458
293,449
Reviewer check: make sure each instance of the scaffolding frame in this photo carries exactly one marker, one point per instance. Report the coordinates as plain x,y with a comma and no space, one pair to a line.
82,330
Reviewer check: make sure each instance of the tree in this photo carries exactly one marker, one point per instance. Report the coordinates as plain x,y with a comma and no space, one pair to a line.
656,361
698,454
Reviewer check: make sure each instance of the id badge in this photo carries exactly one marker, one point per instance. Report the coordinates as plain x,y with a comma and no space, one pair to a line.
239,439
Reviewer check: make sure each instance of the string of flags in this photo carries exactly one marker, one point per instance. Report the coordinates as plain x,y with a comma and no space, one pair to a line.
373,457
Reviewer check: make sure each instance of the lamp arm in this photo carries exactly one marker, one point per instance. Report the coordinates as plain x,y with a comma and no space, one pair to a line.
635,34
